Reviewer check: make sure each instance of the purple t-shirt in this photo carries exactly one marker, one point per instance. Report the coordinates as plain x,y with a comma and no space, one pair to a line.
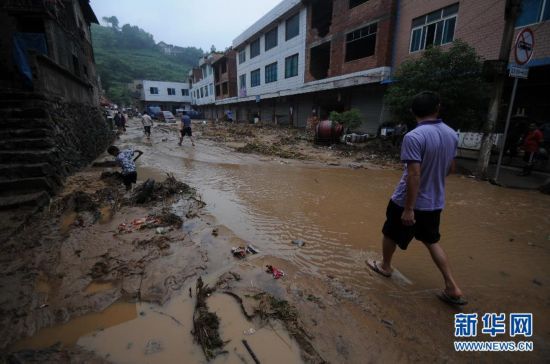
433,144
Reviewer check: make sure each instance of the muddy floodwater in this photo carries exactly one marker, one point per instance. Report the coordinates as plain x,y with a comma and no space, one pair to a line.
498,242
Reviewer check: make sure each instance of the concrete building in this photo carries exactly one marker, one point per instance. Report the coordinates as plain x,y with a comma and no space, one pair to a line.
169,96
51,121
225,80
480,23
201,83
307,58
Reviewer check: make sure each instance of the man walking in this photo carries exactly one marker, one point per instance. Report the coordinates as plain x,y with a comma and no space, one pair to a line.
415,207
185,128
147,124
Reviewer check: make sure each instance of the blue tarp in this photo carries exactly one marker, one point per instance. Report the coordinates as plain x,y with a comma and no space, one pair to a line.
22,43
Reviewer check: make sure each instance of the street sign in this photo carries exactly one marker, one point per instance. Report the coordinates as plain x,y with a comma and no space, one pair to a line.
519,72
524,46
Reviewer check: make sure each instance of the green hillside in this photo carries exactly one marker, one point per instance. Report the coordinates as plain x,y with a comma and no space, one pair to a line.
129,53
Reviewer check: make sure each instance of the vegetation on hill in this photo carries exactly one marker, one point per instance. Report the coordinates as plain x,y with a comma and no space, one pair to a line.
130,53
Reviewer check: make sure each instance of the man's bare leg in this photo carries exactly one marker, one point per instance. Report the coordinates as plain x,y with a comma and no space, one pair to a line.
440,259
192,141
388,249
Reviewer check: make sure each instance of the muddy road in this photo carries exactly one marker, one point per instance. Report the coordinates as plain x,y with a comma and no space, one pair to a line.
498,242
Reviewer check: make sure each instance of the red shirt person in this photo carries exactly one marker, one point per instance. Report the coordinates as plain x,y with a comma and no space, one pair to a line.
531,144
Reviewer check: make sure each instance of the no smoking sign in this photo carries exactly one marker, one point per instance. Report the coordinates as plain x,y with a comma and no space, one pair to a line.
524,47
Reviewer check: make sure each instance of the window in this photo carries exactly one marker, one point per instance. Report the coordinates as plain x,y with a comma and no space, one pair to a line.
225,89
153,90
209,69
291,66
255,78
242,82
292,28
76,66
271,39
205,91
224,67
211,89
202,92
435,28
255,48
242,56
361,42
184,92
271,72
354,3
533,11
171,91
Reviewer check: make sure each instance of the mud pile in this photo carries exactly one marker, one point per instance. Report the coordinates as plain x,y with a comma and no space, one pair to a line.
96,235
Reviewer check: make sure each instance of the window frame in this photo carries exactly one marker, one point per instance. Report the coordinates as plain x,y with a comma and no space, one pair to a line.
252,78
243,54
360,30
257,40
356,5
287,21
242,82
151,88
290,58
270,73
442,19
184,92
276,43
171,91
545,7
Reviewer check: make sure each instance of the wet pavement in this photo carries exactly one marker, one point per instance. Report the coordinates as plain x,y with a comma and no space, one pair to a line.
498,241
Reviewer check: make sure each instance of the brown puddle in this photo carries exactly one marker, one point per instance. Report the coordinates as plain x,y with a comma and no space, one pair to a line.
66,221
96,287
270,343
69,333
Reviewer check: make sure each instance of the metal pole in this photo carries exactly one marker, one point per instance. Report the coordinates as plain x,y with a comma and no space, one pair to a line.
508,116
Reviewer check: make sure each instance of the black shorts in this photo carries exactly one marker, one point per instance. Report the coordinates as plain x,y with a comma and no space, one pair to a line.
147,129
129,178
186,131
426,228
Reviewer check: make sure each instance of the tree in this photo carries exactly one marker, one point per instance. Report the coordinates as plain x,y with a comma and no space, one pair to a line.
212,49
350,119
455,74
113,20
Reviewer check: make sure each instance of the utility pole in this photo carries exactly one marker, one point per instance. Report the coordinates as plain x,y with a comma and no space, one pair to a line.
511,13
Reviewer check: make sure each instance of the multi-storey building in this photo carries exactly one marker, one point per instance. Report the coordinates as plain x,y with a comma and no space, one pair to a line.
201,83
480,23
312,57
169,96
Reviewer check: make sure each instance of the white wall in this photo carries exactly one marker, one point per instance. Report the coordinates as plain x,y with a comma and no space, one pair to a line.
163,96
206,81
277,54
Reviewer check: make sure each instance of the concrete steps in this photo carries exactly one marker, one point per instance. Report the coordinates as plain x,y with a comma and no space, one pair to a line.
23,200
27,156
10,187
26,143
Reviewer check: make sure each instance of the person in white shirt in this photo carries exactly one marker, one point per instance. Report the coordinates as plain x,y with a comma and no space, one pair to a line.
147,124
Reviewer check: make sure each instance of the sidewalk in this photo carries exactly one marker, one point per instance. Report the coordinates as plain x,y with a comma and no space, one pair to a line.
508,175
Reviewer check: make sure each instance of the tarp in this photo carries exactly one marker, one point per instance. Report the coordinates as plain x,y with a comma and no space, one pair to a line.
22,43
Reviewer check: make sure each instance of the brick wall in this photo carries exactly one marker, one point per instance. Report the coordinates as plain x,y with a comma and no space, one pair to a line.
480,23
345,20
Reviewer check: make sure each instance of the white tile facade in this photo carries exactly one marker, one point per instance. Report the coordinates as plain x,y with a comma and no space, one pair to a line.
207,83
277,54
162,88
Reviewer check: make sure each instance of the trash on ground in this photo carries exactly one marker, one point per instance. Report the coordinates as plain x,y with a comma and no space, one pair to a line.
241,251
298,242
250,331
277,273
148,222
163,230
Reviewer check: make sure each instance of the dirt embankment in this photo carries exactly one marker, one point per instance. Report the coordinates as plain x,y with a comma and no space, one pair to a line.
291,143
95,245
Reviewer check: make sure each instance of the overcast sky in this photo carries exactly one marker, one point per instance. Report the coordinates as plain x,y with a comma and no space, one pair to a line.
199,23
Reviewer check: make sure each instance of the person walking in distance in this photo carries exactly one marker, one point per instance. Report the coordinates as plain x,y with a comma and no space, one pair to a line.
147,124
531,143
185,128
414,209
